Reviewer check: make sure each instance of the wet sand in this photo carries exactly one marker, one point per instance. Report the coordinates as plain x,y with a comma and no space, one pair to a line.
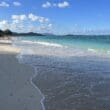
16,89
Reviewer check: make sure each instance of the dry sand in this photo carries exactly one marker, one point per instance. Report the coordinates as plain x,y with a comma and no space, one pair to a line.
16,90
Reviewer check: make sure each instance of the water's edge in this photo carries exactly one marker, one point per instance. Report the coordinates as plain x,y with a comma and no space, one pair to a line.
35,74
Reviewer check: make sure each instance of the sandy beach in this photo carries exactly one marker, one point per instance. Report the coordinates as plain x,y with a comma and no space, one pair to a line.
16,90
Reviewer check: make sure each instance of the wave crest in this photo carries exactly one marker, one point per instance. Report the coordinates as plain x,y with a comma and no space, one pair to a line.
42,43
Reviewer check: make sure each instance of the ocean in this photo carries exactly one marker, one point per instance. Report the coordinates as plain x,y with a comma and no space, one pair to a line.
99,44
72,72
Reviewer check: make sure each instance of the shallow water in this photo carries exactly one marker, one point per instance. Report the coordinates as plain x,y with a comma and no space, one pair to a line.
89,43
76,83
70,78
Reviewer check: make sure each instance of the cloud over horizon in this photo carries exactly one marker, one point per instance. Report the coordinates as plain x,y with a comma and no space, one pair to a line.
27,23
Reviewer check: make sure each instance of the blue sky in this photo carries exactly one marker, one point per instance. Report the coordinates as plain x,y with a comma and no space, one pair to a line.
56,16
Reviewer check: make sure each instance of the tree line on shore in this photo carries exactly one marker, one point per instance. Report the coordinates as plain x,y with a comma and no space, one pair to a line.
7,32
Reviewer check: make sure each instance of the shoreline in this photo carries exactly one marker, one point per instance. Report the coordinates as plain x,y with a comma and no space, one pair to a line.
43,97
7,53
32,83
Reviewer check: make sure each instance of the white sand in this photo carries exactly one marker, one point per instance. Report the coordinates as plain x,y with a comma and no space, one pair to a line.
6,48
16,90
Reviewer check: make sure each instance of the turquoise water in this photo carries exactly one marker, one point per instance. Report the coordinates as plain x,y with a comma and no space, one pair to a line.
92,43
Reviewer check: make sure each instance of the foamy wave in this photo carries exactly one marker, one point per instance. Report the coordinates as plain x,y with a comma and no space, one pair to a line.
91,50
49,44
108,52
46,48
42,43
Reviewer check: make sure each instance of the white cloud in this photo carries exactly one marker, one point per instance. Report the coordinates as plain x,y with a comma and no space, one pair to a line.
32,28
4,4
27,23
46,5
64,4
33,17
50,25
16,3
30,17
4,24
19,17
43,20
40,19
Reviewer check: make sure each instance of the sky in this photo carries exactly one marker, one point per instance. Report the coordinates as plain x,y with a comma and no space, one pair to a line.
56,16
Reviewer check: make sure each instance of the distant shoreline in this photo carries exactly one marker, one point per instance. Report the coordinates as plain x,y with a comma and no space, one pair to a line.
9,33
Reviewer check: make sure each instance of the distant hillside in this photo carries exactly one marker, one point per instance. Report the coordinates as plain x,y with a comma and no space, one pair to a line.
27,34
5,33
10,33
49,34
1,33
